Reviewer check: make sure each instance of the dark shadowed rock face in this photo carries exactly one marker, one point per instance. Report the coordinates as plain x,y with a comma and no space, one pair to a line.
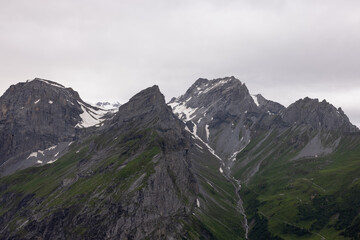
36,115
318,115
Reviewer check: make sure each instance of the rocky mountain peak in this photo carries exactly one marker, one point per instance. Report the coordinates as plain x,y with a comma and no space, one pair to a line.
223,94
147,100
319,115
204,86
148,96
148,106
39,114
267,105
221,107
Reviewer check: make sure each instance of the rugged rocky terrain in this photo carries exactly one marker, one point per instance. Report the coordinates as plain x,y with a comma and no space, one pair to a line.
281,157
141,175
39,119
214,163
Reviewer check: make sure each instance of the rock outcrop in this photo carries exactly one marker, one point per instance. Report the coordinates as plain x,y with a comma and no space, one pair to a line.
318,115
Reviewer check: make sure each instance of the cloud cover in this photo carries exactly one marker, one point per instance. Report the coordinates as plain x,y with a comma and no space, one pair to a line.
111,49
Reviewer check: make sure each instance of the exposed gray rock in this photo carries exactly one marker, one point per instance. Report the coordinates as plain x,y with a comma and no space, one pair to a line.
36,158
317,148
270,106
223,113
36,115
319,115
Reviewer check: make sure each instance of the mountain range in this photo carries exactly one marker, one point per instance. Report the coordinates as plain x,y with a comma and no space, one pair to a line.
214,163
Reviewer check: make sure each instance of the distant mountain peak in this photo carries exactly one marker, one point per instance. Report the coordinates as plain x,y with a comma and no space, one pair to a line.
148,103
320,115
109,105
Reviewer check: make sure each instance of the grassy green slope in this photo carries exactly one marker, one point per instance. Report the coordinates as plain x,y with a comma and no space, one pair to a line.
307,198
217,214
85,179
80,178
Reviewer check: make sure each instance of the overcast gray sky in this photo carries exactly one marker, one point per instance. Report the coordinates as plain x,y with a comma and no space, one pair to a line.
111,49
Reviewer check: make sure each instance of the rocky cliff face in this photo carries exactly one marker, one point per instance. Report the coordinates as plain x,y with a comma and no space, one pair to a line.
318,115
37,115
223,113
269,106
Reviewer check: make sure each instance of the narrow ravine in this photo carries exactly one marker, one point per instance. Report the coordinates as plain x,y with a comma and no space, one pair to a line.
239,205
226,172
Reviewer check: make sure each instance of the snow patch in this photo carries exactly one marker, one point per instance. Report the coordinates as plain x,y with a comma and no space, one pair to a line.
207,145
52,161
70,102
184,112
37,101
221,170
51,102
207,132
90,117
220,83
51,148
233,157
34,154
198,146
195,128
39,161
198,203
254,97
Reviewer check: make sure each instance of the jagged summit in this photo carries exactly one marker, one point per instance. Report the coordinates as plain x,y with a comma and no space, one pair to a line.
267,105
148,96
147,100
148,106
319,115
223,112
225,94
